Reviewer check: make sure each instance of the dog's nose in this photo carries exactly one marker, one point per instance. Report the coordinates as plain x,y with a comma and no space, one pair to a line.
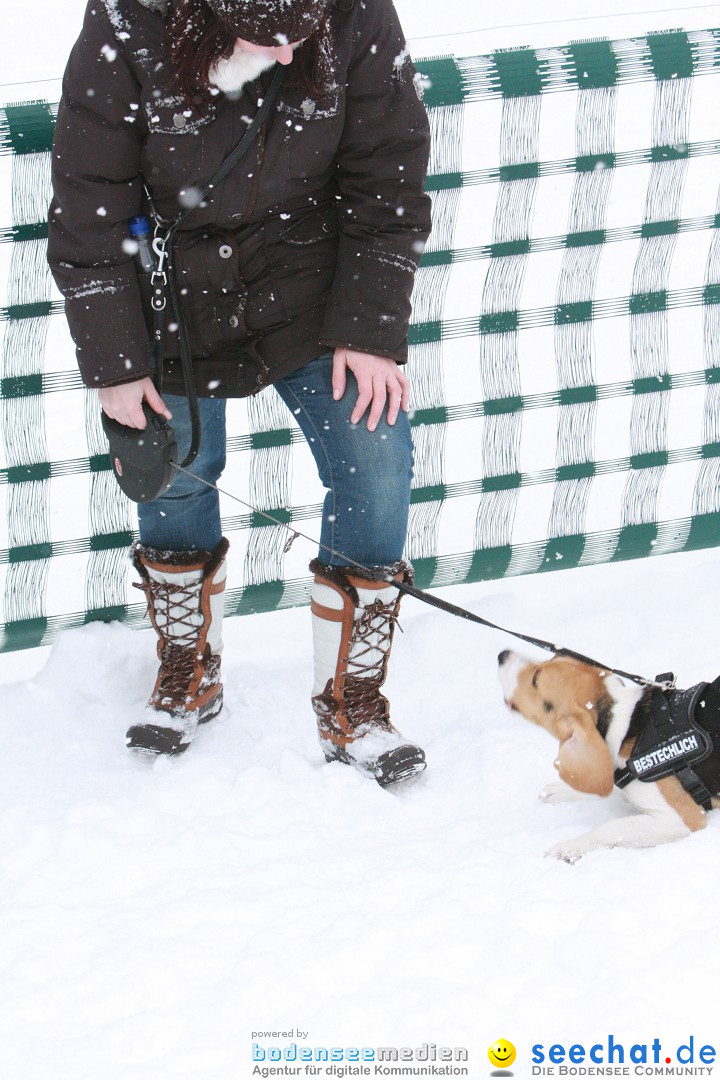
502,657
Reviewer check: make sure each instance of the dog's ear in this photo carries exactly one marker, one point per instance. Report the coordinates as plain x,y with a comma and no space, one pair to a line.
584,760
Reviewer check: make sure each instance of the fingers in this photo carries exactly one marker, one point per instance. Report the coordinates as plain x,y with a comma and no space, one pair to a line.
339,374
132,415
399,394
366,391
380,391
124,403
123,407
155,402
380,384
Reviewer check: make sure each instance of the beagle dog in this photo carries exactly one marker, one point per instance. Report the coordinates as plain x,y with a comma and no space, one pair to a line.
598,719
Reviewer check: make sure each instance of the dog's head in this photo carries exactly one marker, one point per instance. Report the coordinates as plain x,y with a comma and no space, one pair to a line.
576,703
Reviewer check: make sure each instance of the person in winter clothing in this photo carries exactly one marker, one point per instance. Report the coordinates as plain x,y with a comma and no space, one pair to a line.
295,271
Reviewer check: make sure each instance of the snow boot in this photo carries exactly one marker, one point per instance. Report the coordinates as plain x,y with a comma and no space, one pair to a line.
184,591
353,625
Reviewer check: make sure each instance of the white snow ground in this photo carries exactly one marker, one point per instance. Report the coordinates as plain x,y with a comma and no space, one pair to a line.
156,913
153,915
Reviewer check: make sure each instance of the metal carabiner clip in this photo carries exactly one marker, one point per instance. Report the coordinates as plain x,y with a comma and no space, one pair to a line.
159,246
158,278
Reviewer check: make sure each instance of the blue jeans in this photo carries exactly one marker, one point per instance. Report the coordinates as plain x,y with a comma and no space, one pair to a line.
367,473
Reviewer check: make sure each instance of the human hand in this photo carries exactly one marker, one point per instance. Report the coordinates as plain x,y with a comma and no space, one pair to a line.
378,379
124,403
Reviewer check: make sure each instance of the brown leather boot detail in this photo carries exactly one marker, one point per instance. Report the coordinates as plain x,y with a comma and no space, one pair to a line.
353,716
180,587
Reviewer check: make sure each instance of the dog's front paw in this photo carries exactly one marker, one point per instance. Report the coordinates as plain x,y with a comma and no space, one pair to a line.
569,851
559,792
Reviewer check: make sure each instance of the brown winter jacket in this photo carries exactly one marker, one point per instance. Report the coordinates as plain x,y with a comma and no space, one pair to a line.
310,243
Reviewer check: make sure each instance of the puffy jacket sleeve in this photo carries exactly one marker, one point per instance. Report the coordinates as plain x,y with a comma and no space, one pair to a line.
97,188
381,166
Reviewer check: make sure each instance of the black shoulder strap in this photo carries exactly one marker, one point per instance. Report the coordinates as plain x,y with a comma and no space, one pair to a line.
232,159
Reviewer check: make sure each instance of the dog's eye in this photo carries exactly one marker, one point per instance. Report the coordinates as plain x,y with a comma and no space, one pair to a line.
535,677
548,706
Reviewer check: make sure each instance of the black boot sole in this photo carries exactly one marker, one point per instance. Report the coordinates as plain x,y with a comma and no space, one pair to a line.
156,739
400,764
390,768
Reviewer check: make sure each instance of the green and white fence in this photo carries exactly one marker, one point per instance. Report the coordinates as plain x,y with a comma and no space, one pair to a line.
565,347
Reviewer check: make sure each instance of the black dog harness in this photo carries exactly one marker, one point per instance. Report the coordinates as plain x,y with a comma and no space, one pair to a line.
671,741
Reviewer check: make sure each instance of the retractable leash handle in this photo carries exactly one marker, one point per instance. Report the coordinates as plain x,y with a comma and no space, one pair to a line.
143,460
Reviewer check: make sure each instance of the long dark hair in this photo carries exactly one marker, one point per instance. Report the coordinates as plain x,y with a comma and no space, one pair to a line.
197,39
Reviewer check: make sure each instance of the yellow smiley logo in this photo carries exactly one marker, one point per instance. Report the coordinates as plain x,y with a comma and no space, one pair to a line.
502,1053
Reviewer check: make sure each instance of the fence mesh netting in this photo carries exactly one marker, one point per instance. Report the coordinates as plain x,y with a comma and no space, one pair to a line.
565,347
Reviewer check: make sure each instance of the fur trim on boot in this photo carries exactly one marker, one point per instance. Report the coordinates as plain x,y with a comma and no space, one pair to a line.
184,591
354,616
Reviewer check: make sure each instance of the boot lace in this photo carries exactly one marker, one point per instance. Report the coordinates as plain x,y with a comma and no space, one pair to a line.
372,636
176,615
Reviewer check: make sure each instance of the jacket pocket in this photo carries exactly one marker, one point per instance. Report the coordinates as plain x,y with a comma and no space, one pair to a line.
213,295
302,253
297,105
171,115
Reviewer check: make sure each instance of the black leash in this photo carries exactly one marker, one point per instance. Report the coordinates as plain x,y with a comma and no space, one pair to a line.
435,601
462,613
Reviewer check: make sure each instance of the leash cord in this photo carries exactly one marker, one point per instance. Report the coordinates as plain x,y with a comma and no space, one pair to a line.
429,598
